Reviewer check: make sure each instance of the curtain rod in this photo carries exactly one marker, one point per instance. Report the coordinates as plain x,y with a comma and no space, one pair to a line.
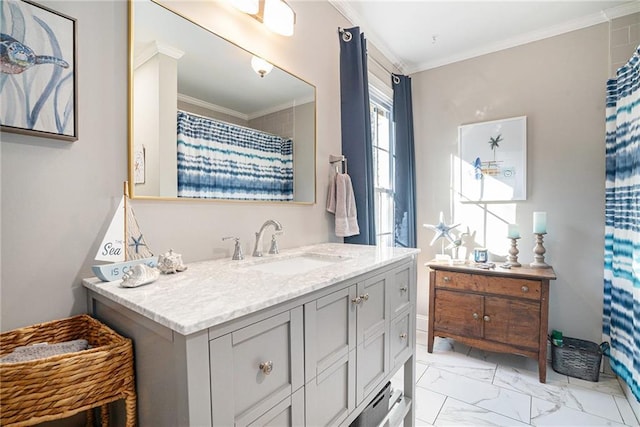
395,77
346,36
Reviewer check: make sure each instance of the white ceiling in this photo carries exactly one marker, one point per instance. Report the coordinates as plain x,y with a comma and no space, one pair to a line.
422,34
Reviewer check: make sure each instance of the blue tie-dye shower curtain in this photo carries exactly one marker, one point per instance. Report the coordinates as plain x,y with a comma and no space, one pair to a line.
621,316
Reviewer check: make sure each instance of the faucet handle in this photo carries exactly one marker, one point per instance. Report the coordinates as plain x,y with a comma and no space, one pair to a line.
237,250
274,243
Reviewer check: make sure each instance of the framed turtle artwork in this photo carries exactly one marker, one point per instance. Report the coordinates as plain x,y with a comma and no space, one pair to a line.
38,75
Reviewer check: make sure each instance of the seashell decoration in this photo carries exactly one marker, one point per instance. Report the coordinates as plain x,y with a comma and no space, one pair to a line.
139,274
171,262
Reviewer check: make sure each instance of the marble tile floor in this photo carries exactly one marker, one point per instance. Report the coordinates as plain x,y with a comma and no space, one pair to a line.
457,385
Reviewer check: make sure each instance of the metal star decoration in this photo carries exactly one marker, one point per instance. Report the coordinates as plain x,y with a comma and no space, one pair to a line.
441,230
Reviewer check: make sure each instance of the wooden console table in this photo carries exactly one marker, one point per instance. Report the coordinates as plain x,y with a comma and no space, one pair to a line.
501,310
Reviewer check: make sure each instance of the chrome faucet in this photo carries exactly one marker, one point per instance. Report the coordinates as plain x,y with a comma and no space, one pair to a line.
257,250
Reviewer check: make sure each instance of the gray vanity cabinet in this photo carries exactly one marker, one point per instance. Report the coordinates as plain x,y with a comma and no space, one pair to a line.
317,359
256,368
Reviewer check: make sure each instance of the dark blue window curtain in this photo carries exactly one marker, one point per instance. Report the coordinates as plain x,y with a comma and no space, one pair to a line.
405,175
356,129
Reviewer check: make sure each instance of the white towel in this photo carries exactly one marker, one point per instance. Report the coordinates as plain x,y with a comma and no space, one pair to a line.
345,207
331,194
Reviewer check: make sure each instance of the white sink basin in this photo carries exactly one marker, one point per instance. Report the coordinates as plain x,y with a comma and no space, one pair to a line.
297,264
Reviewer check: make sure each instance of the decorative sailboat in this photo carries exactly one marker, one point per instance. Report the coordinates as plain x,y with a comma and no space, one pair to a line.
123,244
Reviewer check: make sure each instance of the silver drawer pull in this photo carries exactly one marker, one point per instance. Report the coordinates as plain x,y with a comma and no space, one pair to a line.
404,289
525,289
266,367
476,316
364,297
403,335
356,300
487,319
446,279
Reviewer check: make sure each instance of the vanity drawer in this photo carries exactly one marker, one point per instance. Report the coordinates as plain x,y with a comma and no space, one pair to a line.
507,286
400,290
264,363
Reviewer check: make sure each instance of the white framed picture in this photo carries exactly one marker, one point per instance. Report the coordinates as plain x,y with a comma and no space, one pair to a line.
493,160
139,160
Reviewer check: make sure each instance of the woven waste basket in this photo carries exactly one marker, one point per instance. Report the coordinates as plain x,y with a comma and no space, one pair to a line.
578,358
63,385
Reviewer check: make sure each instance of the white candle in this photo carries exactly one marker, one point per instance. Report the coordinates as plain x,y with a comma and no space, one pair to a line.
512,231
539,222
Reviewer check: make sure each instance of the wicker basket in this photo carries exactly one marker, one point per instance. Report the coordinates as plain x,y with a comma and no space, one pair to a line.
577,358
63,385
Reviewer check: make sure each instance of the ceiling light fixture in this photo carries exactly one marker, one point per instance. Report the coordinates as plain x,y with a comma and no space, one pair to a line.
277,15
247,6
261,66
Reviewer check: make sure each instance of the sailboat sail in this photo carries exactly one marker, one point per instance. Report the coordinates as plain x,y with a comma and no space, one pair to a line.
123,245
136,245
112,247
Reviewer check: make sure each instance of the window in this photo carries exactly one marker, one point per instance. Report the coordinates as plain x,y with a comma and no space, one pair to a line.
383,165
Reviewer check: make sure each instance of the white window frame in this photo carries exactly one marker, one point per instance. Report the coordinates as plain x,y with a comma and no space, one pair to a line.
384,101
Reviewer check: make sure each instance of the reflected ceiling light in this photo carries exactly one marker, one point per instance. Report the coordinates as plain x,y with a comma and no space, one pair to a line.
277,15
261,66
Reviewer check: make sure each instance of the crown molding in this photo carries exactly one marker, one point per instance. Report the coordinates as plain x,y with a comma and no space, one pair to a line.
343,7
154,48
213,107
552,31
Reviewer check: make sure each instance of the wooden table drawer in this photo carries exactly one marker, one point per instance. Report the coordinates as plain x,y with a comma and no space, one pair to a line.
507,286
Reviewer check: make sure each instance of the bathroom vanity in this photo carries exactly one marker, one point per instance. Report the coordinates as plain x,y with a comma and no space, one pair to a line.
502,310
306,337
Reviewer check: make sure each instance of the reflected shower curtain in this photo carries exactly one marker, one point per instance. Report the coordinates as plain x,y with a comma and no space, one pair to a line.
621,315
405,176
356,129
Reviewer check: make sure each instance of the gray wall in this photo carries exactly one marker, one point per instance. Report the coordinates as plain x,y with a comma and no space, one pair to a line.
58,198
559,84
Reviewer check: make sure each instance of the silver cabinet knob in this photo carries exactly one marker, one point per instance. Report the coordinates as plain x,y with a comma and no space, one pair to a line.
364,297
525,289
266,367
403,335
476,316
486,318
356,300
446,279
404,289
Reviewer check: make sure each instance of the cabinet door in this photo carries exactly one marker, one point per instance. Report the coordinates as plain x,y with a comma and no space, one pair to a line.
512,321
458,313
372,335
330,362
254,368
288,413
330,330
330,396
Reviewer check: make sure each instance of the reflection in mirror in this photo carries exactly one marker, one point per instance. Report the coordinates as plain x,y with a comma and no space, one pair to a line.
205,124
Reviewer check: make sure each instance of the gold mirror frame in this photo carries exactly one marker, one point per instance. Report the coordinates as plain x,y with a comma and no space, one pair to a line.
311,180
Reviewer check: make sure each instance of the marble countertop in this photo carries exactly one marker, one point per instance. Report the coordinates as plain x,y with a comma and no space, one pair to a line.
210,293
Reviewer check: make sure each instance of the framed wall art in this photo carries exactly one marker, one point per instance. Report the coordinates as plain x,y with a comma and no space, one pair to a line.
38,75
493,160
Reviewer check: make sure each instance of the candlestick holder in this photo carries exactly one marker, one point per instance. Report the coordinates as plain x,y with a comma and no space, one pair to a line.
539,251
513,253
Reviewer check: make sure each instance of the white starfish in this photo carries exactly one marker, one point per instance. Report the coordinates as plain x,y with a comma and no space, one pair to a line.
441,229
